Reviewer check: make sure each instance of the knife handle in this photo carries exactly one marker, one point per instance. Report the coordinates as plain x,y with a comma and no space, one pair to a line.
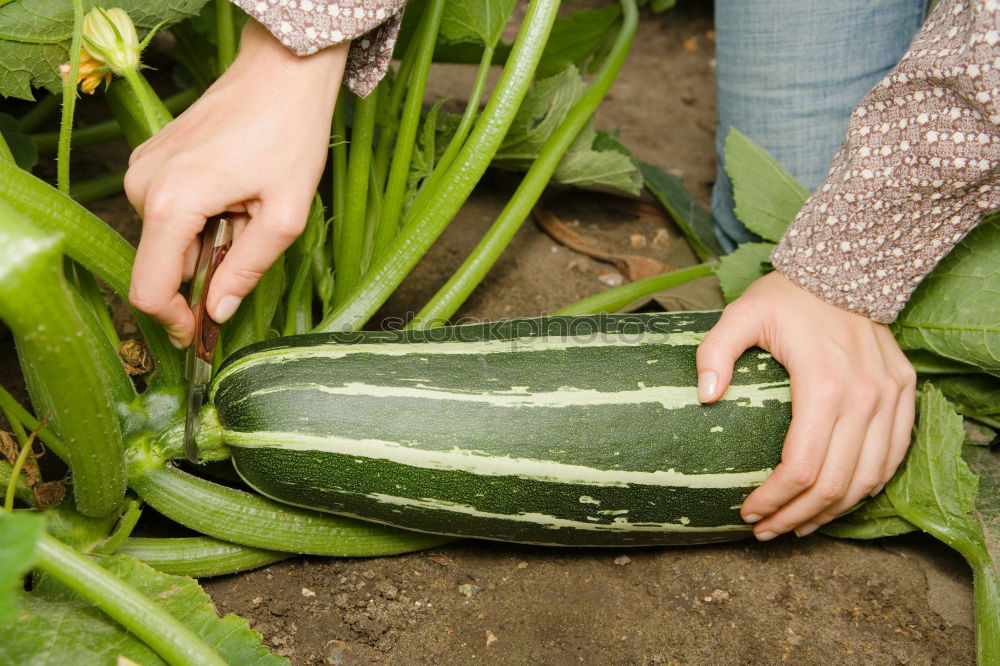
216,239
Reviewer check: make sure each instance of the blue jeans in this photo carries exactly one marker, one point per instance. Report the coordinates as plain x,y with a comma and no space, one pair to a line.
790,72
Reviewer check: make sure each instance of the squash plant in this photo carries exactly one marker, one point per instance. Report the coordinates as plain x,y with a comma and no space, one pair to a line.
403,177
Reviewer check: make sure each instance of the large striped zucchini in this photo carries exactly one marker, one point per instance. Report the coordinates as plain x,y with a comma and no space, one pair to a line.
559,430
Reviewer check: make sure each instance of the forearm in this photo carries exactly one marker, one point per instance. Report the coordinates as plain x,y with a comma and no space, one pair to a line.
916,172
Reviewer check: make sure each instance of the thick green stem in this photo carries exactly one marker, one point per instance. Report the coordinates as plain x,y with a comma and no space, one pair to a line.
986,590
387,132
225,34
617,298
198,557
464,126
351,235
338,159
472,271
240,517
154,114
109,129
98,187
37,305
175,643
69,99
94,245
399,172
423,226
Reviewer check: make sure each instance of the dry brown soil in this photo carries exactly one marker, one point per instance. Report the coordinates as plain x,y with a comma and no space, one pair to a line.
811,601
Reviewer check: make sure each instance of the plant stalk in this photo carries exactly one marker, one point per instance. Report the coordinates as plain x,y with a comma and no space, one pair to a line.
41,311
399,172
422,226
472,271
464,126
225,34
175,643
152,108
109,129
986,591
9,405
39,113
251,520
198,557
98,188
348,251
617,298
94,245
69,99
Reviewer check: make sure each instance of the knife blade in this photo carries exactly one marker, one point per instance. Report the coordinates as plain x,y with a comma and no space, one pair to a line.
216,239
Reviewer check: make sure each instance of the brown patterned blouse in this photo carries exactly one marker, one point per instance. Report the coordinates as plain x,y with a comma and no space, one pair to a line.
917,171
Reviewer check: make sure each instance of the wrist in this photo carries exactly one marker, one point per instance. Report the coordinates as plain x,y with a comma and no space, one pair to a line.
267,63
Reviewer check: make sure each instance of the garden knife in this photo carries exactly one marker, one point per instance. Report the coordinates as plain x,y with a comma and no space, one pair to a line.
216,239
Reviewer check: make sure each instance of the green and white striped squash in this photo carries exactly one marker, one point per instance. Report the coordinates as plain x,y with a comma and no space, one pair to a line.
582,431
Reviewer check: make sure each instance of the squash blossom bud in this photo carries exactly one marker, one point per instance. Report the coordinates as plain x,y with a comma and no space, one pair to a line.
110,37
92,73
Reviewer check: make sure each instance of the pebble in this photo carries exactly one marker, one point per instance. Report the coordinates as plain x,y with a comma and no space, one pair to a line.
611,278
469,590
306,592
623,560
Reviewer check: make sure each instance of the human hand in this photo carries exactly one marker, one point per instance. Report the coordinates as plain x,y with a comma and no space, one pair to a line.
852,401
254,144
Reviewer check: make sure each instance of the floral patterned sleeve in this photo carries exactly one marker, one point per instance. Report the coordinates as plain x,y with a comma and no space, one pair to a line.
918,169
306,26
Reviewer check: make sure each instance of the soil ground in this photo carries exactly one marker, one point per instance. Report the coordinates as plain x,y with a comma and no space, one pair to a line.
812,601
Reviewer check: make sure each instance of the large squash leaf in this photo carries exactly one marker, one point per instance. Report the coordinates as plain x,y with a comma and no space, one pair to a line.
56,627
18,535
767,197
953,312
35,34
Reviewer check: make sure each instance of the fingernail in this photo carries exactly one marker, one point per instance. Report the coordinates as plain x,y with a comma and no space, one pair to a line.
877,490
226,308
765,536
753,517
707,384
175,342
806,529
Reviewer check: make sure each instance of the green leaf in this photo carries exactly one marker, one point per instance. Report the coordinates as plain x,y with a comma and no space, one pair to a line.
54,632
934,489
767,197
975,396
953,312
18,534
183,598
597,160
873,519
738,269
422,163
21,146
693,219
543,109
34,37
577,39
479,21
56,627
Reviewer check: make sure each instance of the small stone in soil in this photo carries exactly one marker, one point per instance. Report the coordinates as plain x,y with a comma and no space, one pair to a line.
490,638
611,278
469,590
637,240
306,592
623,560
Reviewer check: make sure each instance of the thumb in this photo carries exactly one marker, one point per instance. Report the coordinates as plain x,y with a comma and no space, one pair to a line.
734,333
265,237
